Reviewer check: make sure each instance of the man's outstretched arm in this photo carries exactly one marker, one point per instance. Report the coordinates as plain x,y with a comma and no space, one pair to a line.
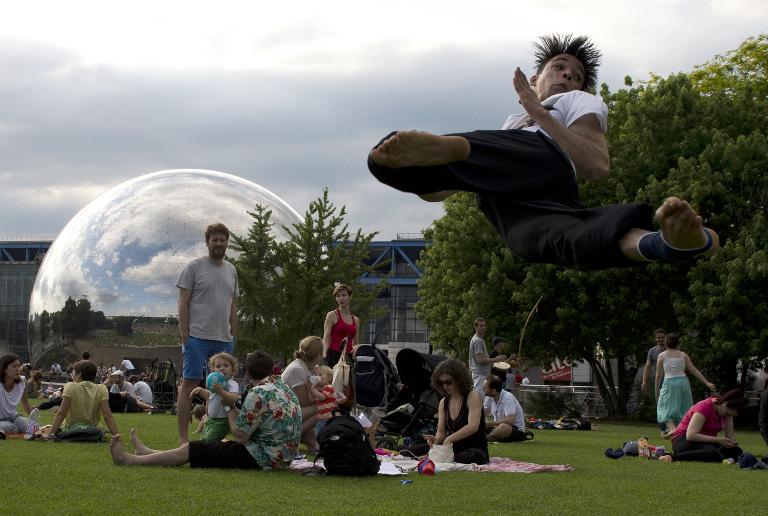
583,141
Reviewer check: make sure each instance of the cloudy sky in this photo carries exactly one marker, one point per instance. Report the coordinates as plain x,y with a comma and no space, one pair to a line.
293,96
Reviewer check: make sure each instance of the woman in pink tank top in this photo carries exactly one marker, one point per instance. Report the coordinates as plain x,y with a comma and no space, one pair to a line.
340,326
696,437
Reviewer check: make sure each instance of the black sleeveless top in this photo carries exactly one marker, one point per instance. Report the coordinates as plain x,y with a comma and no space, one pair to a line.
477,440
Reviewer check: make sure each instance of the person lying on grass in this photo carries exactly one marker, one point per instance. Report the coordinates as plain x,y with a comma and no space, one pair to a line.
83,403
267,431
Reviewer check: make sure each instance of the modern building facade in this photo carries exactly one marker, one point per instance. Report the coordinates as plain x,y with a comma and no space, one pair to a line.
20,259
396,324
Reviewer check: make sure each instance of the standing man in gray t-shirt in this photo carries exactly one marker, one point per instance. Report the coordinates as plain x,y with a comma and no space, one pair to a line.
479,362
208,291
649,371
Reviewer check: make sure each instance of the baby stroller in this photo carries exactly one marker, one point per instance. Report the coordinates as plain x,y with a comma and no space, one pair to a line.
417,403
164,387
374,379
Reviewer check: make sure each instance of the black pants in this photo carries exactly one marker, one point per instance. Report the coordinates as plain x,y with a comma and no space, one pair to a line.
516,436
703,452
526,188
119,403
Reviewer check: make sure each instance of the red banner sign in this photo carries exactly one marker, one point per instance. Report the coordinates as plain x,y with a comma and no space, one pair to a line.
558,372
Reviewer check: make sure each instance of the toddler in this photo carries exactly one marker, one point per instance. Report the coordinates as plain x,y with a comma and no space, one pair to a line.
221,401
326,397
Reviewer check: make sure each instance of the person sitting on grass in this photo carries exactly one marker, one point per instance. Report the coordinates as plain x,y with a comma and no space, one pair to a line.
296,375
460,420
508,424
267,432
83,403
142,390
12,392
220,403
695,438
35,385
122,396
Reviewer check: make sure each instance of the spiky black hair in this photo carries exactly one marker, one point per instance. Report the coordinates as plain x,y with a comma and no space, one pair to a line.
579,47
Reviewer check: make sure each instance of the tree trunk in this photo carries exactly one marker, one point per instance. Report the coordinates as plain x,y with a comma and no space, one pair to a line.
605,386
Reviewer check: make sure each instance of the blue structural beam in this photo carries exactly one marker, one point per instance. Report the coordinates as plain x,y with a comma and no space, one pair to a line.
20,251
390,258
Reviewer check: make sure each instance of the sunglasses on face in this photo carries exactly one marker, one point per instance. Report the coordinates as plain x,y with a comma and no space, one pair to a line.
445,382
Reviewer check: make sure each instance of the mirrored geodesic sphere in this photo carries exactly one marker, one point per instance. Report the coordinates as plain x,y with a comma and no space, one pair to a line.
111,272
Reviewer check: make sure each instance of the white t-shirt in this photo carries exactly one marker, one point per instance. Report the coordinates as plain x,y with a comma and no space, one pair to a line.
296,374
127,387
567,108
10,400
215,406
127,365
143,392
506,406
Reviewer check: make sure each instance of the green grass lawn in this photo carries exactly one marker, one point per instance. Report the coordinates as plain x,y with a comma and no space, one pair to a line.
55,478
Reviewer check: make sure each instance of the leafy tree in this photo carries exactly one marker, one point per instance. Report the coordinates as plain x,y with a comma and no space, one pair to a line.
455,287
261,286
286,286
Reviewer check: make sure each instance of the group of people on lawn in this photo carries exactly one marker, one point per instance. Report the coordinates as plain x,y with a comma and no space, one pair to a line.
524,177
278,412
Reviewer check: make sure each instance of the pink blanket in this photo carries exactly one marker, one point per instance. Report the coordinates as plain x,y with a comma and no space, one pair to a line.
497,465
504,465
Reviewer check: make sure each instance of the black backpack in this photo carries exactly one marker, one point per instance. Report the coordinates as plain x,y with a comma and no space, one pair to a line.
345,448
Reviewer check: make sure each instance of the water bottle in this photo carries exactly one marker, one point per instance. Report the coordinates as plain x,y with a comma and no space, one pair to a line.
33,425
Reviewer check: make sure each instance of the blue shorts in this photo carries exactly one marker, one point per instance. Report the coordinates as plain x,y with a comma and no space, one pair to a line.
196,352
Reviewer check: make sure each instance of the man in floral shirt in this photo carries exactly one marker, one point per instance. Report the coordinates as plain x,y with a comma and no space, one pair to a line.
269,424
267,431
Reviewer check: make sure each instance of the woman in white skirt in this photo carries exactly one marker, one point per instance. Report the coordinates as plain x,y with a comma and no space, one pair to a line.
673,395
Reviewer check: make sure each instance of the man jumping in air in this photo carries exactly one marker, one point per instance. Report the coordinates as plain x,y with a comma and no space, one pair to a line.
524,175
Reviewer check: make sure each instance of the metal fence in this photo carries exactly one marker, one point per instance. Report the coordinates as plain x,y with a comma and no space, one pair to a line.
574,400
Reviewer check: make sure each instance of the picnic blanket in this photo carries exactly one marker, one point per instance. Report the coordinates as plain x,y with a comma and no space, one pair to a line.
400,465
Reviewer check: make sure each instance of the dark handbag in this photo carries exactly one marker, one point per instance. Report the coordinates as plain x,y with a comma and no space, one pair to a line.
90,434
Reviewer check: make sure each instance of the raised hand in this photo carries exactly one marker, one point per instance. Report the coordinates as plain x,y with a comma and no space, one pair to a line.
528,97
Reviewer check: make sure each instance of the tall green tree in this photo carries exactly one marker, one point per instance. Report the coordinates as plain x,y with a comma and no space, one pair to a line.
287,286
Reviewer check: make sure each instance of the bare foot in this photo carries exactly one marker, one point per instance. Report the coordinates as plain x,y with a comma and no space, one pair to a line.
438,196
420,149
119,456
141,449
682,227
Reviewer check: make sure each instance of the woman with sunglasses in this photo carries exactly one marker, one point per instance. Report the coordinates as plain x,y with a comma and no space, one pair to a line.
460,421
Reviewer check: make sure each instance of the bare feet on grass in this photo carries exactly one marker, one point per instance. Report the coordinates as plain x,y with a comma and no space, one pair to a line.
141,449
420,149
119,456
682,227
